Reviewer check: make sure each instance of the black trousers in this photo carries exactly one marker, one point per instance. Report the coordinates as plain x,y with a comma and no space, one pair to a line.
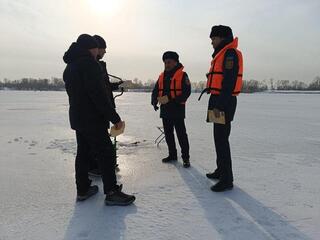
178,124
221,135
98,143
94,163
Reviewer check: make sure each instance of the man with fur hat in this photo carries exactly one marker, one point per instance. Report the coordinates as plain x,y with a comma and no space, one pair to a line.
89,113
172,91
224,82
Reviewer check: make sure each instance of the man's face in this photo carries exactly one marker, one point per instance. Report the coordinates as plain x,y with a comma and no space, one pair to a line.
101,53
94,52
169,64
215,41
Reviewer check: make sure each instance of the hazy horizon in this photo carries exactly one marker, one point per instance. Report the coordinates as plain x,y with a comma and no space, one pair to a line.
279,40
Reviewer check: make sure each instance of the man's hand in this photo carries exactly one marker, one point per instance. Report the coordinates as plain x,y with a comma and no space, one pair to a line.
155,107
119,125
154,104
217,112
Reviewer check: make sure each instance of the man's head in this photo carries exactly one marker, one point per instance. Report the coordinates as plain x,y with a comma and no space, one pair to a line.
101,45
220,33
170,60
87,42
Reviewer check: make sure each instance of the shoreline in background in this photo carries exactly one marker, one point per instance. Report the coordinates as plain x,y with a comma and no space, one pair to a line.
194,91
135,85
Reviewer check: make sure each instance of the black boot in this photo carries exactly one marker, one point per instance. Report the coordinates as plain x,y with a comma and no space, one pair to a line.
222,186
186,163
116,197
169,159
215,175
91,191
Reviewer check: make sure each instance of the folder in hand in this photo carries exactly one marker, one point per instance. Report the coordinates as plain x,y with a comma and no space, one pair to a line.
116,132
163,99
212,118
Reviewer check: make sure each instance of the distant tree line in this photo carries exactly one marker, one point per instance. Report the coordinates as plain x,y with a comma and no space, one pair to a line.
249,86
54,84
137,84
295,85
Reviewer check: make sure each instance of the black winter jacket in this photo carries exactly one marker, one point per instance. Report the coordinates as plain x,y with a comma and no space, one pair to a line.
90,106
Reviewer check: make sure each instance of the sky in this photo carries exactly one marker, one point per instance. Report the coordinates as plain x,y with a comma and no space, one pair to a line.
278,39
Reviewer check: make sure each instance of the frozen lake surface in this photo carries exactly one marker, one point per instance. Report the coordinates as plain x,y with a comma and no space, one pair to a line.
275,142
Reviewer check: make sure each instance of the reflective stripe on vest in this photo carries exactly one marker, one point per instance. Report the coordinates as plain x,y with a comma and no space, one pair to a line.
175,84
215,74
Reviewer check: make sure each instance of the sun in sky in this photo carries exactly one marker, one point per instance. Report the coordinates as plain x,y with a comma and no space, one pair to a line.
105,6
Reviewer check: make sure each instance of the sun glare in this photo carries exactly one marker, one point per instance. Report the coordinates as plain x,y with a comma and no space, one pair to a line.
105,6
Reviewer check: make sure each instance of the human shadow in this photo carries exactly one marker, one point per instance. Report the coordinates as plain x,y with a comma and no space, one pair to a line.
235,214
93,220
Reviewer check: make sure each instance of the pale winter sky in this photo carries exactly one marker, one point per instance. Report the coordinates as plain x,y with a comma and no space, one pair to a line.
279,39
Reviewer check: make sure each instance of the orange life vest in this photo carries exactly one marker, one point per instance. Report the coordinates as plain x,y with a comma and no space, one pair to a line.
215,74
175,84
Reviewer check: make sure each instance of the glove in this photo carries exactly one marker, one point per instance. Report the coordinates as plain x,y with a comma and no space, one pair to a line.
155,107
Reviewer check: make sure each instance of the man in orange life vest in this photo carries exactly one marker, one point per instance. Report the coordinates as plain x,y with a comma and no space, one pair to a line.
172,91
224,82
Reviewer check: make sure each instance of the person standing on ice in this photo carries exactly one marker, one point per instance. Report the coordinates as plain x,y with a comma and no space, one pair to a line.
93,164
224,82
172,91
89,113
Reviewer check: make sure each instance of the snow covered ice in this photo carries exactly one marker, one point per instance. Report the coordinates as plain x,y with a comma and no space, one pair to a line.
275,144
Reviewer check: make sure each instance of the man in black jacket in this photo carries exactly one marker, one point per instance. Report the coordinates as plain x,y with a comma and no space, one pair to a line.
173,85
93,164
112,86
90,111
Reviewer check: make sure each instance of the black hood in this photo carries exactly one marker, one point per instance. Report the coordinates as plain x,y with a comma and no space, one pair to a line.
75,52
